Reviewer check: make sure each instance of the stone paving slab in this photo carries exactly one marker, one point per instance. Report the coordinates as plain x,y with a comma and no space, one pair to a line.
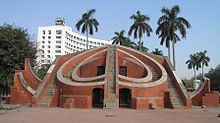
60,115
9,106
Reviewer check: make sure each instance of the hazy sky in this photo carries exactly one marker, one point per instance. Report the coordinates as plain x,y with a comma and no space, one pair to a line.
113,15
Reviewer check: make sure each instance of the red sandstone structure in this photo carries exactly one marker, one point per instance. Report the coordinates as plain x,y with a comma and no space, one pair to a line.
107,77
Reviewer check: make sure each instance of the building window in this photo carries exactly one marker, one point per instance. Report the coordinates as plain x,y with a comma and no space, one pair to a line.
58,42
49,31
49,42
58,32
58,37
48,51
42,51
49,37
42,61
58,46
48,46
48,56
123,70
100,70
43,37
58,51
42,46
43,32
43,42
42,56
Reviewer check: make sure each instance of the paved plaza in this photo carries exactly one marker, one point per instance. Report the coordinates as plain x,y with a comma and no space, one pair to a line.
60,115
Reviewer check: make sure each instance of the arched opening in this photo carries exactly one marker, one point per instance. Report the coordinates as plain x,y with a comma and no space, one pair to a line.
97,98
125,98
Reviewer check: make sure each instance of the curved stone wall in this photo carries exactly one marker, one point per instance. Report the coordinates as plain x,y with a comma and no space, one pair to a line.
74,77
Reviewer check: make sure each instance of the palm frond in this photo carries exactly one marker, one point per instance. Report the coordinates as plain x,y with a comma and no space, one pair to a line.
84,28
91,12
78,24
182,29
165,11
184,22
175,10
162,19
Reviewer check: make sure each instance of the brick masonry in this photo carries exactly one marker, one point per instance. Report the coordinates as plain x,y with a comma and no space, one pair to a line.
75,96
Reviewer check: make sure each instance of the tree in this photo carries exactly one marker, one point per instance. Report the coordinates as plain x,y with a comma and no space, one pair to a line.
119,38
42,71
129,43
166,39
193,63
139,27
214,76
87,24
203,60
168,24
15,46
157,52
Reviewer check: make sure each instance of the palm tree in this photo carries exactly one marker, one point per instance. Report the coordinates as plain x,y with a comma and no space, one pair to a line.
129,43
119,38
168,24
193,63
143,48
139,27
166,38
203,60
87,23
157,52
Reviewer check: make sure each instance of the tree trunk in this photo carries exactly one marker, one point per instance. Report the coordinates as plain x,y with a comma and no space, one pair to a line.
169,51
174,61
87,38
194,77
0,97
140,47
202,70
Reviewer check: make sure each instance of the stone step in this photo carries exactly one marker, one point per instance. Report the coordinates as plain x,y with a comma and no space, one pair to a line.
154,73
174,95
46,99
111,103
43,104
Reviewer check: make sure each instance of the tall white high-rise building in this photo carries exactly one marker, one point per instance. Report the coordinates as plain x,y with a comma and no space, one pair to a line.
61,40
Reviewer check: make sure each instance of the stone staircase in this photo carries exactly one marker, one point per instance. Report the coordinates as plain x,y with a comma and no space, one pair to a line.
47,97
174,95
154,73
111,101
